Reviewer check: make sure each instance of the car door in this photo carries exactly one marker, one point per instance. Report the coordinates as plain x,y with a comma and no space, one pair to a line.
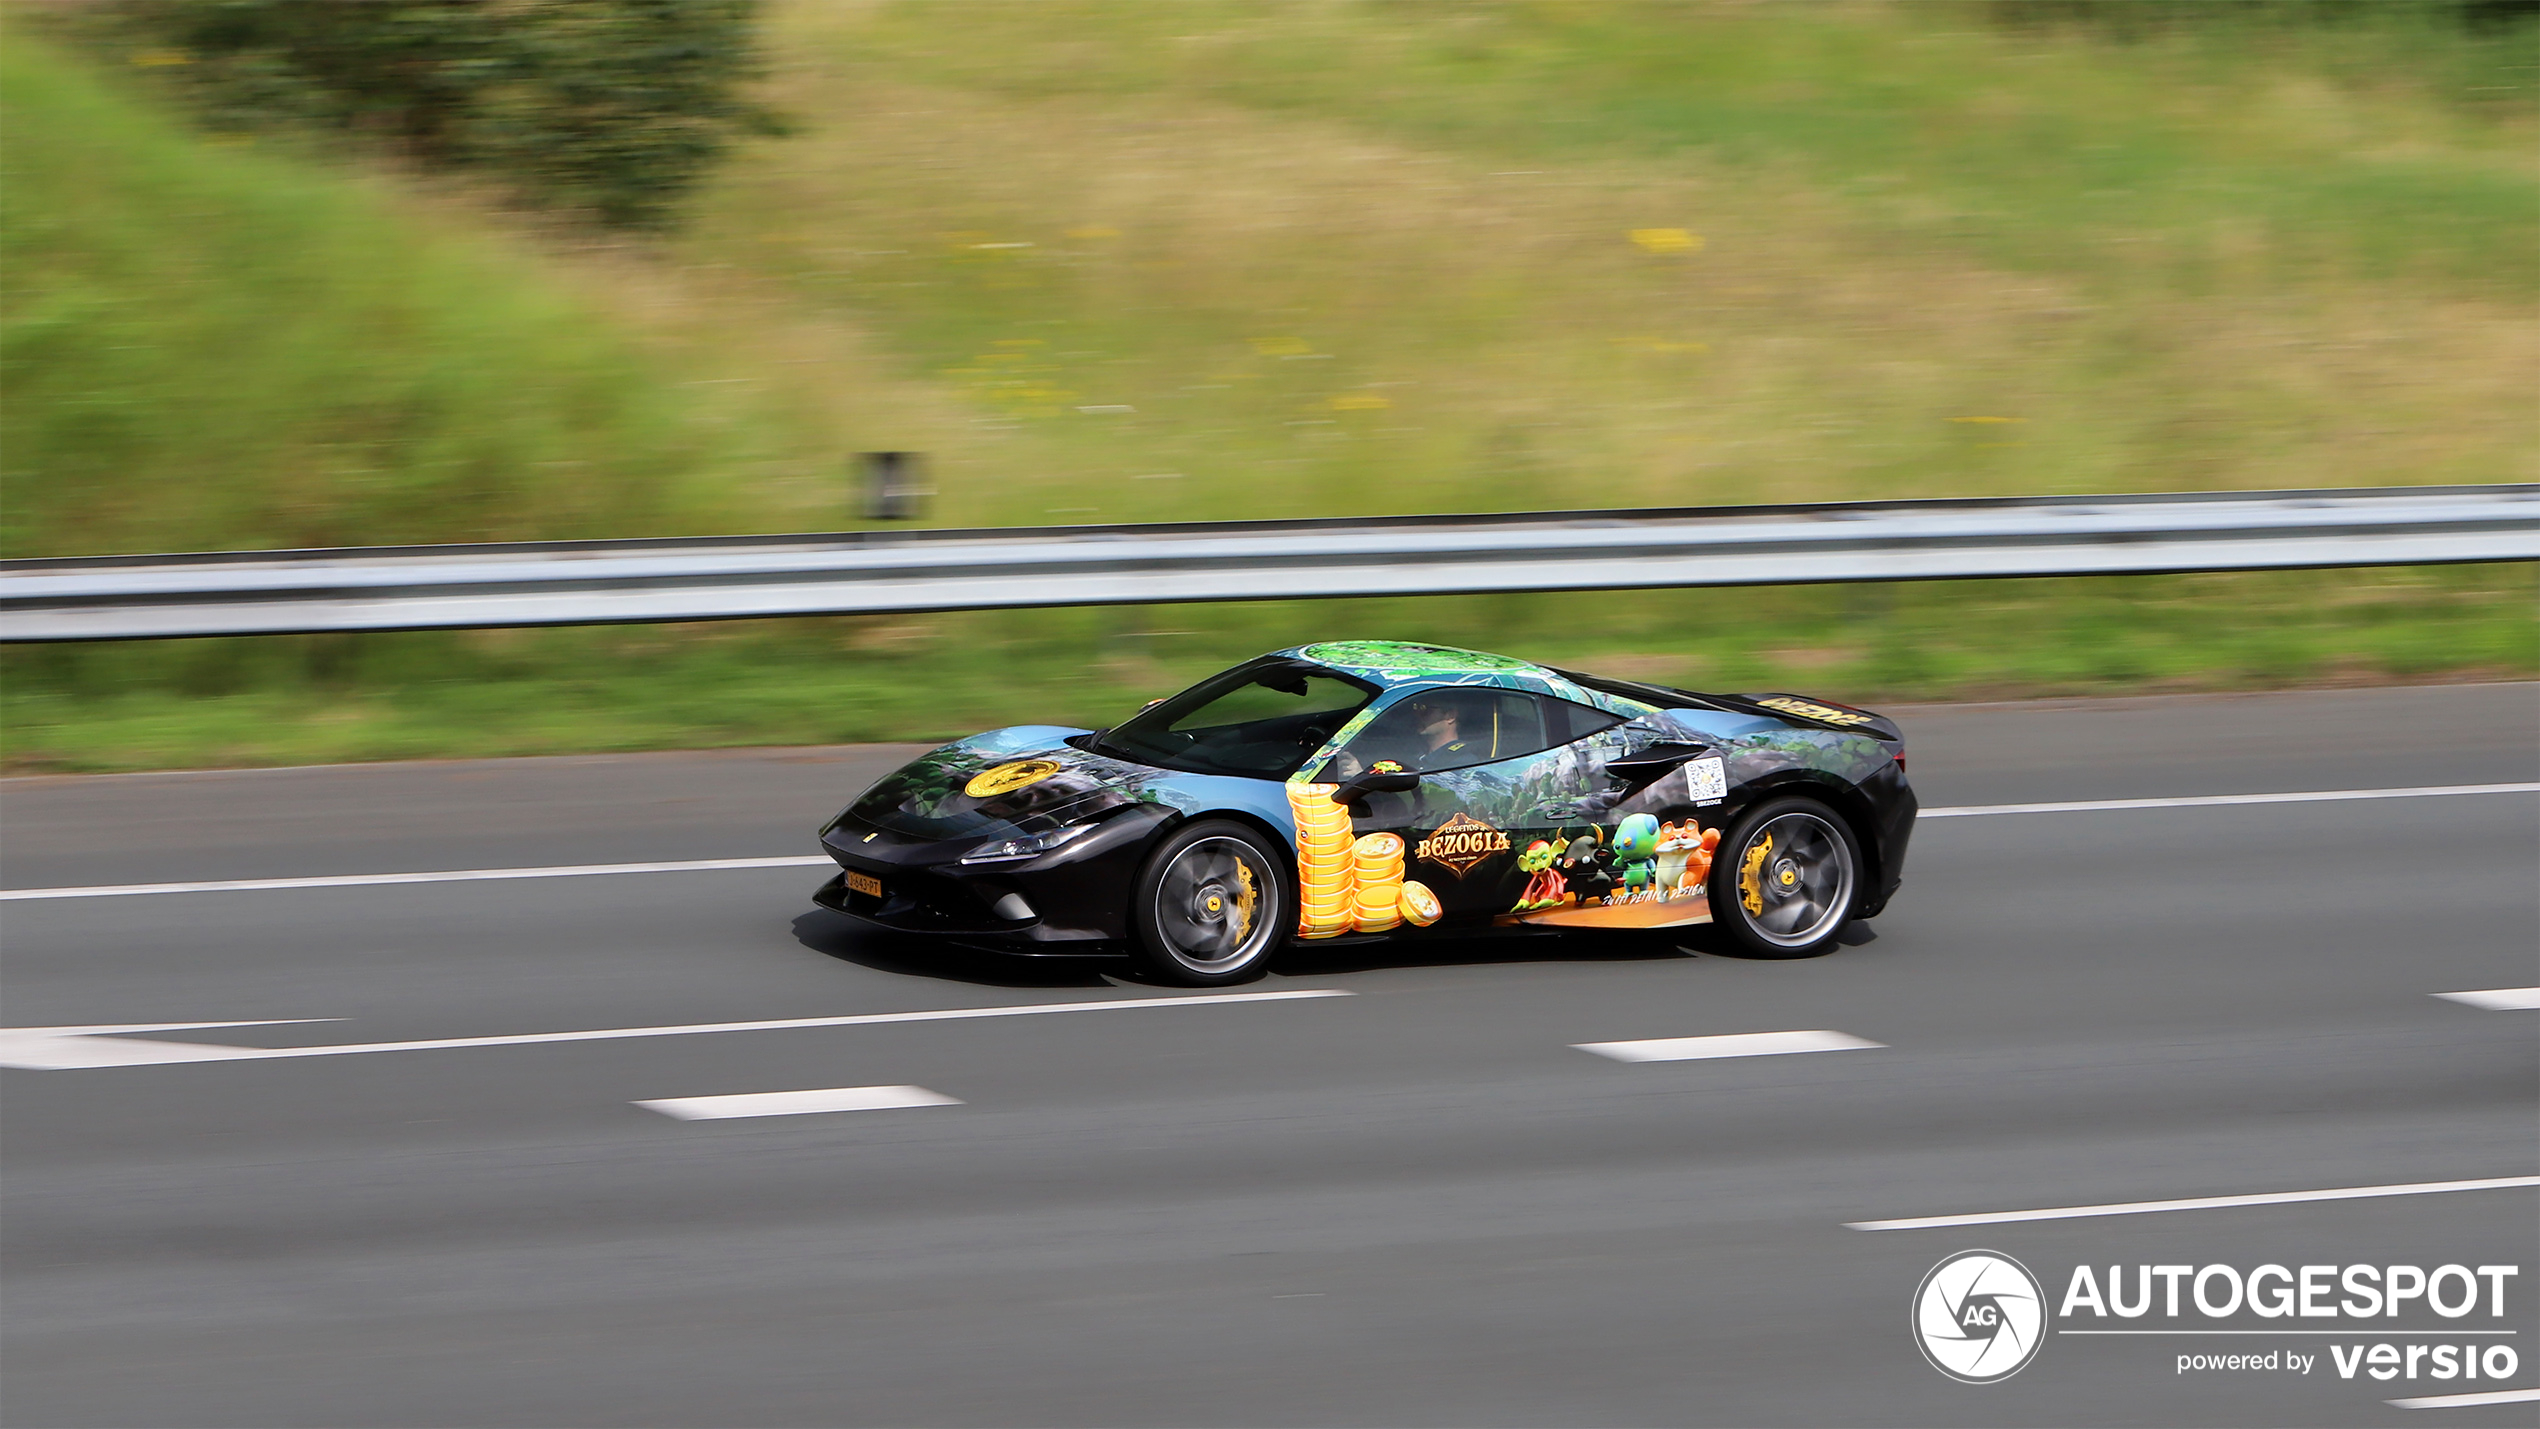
1631,837
1487,784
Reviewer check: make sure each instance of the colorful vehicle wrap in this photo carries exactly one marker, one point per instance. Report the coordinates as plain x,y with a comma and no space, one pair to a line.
1555,800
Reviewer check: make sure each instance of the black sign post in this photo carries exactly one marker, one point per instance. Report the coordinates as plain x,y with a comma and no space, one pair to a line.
895,486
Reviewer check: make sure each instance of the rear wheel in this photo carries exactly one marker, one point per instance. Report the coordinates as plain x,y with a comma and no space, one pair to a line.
1211,905
1786,879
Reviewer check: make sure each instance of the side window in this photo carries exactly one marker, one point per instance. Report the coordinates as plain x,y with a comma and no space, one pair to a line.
1567,721
1460,726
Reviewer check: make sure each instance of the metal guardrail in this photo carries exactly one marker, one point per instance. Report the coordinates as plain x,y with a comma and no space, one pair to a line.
598,582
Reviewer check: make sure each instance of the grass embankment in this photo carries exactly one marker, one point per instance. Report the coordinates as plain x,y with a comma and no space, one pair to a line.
1124,262
209,345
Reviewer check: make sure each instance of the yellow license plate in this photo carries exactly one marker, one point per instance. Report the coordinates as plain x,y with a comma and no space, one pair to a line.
864,883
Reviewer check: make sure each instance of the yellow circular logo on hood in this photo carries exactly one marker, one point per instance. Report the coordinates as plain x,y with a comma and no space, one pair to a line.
1006,778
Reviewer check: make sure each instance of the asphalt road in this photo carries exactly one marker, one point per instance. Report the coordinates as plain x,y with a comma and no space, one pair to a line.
1416,1203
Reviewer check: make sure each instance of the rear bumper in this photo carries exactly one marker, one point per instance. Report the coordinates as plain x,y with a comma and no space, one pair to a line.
1894,807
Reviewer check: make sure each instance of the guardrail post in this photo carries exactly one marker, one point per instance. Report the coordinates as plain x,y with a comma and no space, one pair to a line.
895,488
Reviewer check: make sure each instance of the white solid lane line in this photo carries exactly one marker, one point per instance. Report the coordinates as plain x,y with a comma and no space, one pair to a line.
2209,801
592,870
455,875
97,1045
2468,1401
802,1103
2198,1203
1740,1044
61,1048
2498,999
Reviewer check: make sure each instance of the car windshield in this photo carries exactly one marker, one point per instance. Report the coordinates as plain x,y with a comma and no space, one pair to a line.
1259,720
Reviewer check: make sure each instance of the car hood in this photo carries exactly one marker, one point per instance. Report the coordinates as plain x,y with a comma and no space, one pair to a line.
1026,779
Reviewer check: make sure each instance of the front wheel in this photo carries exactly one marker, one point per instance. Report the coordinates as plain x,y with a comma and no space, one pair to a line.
1786,879
1211,905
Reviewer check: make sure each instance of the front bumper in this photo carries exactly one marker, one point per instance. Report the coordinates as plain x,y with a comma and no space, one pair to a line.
1073,900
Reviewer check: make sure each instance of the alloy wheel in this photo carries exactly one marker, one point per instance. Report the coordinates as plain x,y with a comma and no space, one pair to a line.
1794,879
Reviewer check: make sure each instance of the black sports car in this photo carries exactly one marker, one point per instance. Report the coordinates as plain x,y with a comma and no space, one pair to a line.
1359,789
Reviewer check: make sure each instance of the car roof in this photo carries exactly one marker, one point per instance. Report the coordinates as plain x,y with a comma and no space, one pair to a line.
1399,664
1408,666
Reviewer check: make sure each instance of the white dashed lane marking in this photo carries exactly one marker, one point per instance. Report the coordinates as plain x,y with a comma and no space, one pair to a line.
2498,999
803,1103
2468,1401
62,1048
2198,1203
1739,1044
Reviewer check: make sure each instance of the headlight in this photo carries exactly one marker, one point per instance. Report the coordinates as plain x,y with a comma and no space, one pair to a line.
1024,846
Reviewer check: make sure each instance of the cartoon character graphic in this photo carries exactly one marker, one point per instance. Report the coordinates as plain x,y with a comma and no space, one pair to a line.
1635,850
1587,868
1684,858
1543,886
1642,873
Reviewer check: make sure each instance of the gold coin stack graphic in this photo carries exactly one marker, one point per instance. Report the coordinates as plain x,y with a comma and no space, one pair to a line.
1325,888
1376,861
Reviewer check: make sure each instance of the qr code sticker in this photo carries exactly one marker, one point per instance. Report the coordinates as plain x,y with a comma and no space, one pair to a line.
1709,779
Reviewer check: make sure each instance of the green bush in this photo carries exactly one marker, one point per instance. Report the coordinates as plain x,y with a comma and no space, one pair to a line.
615,106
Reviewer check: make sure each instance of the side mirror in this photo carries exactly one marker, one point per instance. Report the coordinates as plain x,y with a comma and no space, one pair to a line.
1348,794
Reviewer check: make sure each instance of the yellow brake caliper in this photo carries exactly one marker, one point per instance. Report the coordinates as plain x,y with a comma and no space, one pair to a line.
1750,877
1245,901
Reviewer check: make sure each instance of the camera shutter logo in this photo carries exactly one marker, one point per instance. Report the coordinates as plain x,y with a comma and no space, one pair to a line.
1979,1316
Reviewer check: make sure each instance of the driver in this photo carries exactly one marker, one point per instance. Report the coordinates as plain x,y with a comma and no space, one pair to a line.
1423,732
